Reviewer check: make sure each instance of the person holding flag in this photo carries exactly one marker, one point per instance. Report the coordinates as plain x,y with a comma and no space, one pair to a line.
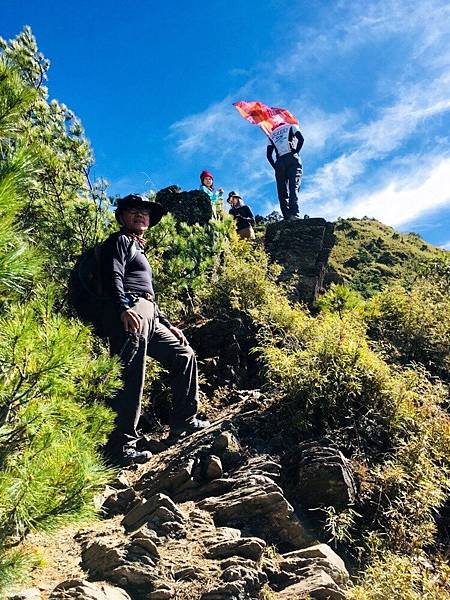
285,142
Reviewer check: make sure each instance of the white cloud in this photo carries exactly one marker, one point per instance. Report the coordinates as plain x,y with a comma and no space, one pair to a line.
402,201
204,130
349,25
378,139
446,245
320,127
357,142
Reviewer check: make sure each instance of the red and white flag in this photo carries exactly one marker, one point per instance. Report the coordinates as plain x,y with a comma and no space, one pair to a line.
267,117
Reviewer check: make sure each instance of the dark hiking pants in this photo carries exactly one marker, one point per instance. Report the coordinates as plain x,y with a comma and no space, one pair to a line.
153,339
288,175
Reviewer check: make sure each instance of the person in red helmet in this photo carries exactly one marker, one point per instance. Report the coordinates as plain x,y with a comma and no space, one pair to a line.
207,186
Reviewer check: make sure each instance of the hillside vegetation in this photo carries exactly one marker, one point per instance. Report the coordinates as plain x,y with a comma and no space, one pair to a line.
369,255
368,371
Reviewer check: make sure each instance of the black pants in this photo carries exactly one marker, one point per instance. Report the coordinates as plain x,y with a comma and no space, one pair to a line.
288,175
153,339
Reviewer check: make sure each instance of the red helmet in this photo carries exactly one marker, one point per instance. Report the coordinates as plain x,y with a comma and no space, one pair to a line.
204,174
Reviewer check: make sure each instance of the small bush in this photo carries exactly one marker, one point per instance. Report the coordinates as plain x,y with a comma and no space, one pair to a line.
403,578
52,422
389,419
413,325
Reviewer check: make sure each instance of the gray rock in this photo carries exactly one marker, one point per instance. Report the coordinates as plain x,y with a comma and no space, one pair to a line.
102,556
302,248
134,576
251,548
186,574
294,567
256,496
225,440
325,477
127,562
237,561
85,590
314,554
159,509
213,467
172,529
118,502
163,591
188,207
146,538
240,583
317,584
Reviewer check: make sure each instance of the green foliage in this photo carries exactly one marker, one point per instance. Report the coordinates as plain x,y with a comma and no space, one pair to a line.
403,578
184,258
413,325
247,284
391,420
51,423
340,299
15,567
52,417
369,255
339,525
62,211
17,173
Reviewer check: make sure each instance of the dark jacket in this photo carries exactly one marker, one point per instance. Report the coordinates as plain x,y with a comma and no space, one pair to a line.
243,216
125,279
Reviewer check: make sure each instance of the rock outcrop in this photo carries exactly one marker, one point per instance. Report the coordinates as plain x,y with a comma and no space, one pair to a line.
302,247
325,476
209,518
201,520
187,207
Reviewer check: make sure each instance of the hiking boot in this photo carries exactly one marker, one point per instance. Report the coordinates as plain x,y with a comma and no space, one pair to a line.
191,426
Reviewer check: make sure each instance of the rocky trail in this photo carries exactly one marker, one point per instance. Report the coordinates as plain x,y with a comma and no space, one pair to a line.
210,517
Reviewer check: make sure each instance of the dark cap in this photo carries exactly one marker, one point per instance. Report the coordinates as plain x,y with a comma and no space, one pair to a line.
155,210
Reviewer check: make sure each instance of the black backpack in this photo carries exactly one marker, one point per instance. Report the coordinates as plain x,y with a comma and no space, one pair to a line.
86,294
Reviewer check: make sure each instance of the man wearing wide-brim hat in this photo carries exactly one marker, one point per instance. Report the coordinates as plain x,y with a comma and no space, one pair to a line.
136,328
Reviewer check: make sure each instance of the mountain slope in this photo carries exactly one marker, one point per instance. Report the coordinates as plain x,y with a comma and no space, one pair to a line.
369,255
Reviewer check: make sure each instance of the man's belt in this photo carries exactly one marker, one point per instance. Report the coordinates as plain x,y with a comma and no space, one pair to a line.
133,297
147,296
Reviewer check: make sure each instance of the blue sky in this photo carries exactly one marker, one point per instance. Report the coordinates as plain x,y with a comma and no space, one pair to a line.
154,84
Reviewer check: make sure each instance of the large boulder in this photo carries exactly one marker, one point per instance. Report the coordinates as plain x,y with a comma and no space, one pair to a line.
302,248
187,207
325,477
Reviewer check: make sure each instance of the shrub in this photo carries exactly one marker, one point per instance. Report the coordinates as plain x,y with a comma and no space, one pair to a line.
413,325
388,419
51,421
403,578
184,258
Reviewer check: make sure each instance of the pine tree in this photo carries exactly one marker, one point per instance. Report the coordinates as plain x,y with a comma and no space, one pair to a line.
52,417
65,212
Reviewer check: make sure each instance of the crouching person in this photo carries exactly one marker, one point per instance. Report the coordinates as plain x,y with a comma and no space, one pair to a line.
243,216
136,328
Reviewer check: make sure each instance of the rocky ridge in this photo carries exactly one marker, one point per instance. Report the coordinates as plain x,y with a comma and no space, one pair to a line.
223,514
210,518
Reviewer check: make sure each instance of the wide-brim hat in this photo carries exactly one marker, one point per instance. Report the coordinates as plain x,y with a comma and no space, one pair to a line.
155,209
234,195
